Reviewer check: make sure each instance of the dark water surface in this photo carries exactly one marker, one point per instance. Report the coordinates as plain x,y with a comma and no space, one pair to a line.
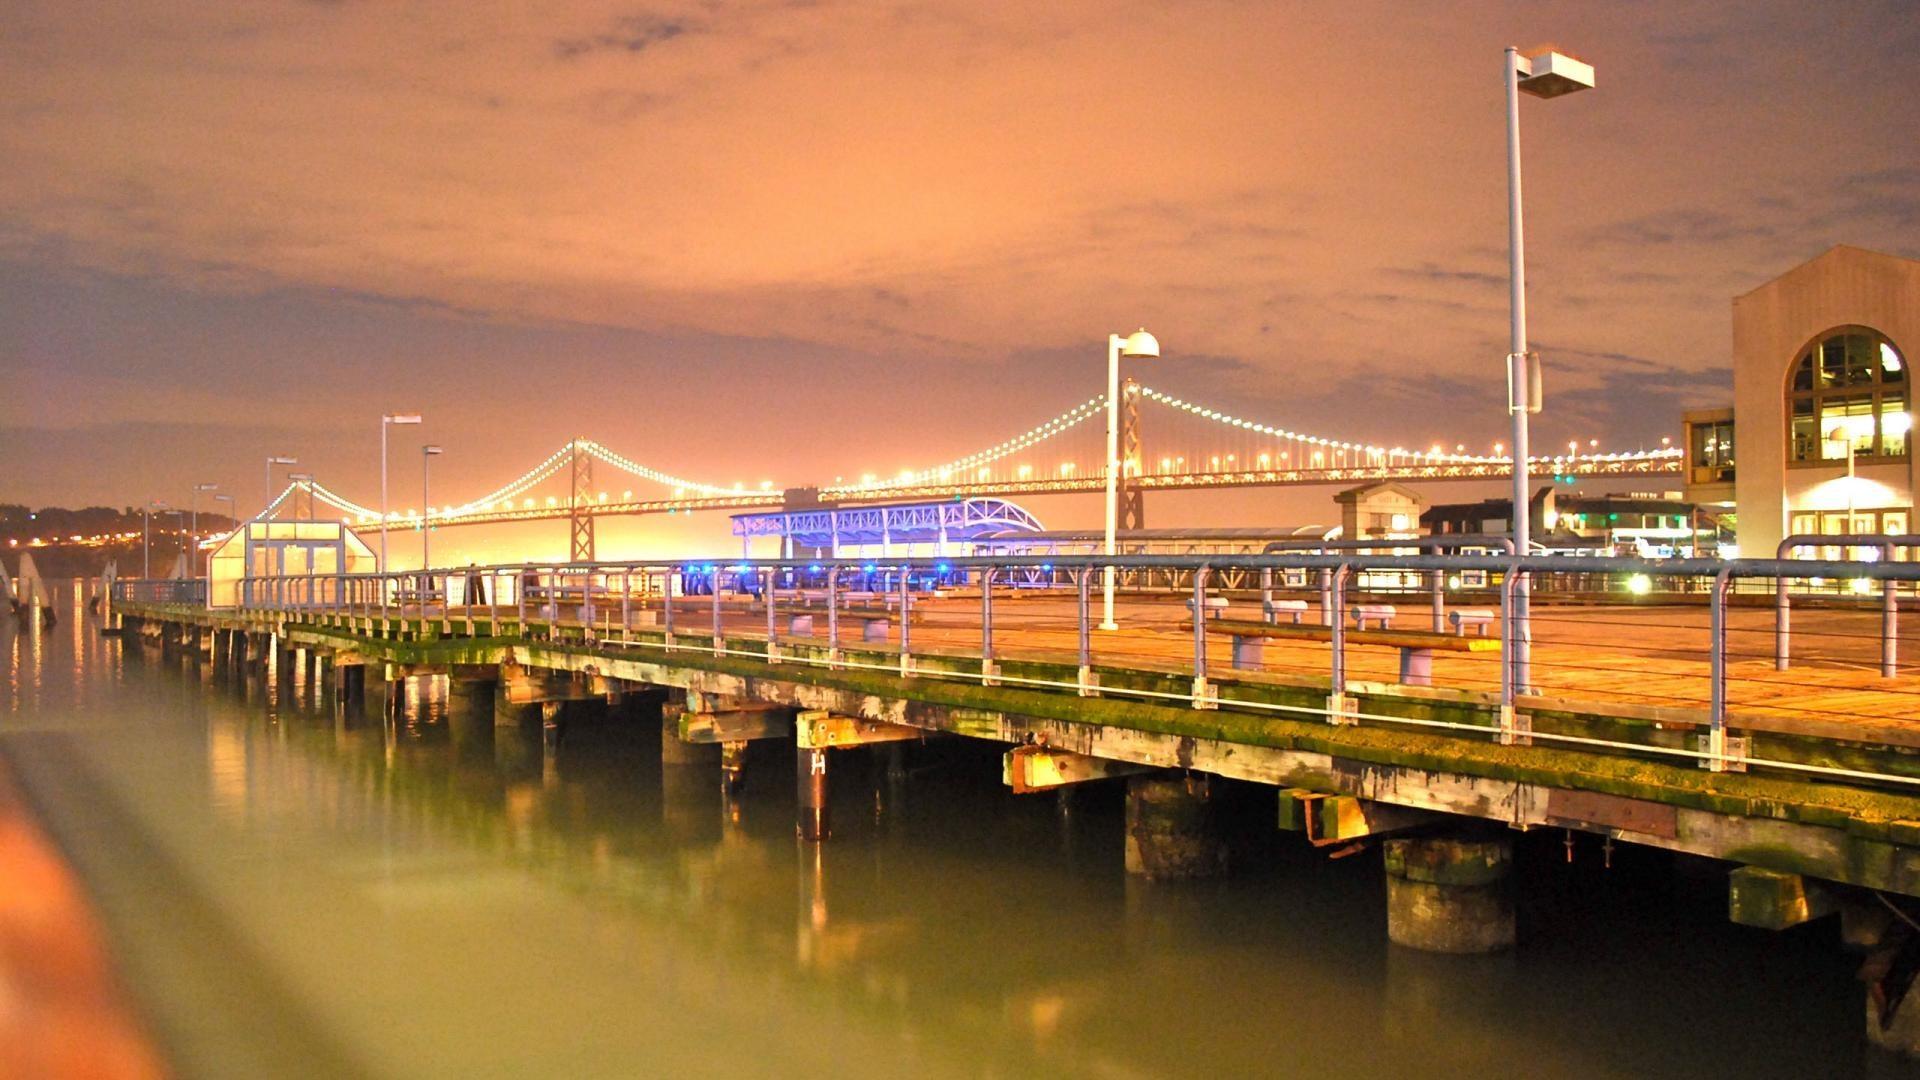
291,893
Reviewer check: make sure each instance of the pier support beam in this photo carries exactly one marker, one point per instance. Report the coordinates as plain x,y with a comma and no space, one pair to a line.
675,750
1171,831
1450,894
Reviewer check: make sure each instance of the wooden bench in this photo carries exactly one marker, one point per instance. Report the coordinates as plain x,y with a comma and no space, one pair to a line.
1481,619
1416,646
875,623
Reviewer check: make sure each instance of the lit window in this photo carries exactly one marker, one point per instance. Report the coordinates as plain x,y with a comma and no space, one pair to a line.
1847,390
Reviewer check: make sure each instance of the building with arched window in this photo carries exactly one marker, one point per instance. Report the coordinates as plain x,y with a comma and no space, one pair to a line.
1822,404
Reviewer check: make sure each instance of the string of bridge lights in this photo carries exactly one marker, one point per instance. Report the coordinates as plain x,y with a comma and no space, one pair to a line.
1033,436
957,470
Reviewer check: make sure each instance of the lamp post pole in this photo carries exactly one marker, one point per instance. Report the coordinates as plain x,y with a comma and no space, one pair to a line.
271,462
386,421
1547,75
1138,343
146,537
427,454
194,529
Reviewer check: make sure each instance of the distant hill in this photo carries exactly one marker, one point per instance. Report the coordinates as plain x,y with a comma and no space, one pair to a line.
77,543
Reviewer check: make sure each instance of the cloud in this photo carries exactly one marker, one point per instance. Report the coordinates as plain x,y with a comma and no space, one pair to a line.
630,34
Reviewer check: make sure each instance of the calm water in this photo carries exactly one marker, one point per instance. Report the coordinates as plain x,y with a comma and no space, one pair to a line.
291,894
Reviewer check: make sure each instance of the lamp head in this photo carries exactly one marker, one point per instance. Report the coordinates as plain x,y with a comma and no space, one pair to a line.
1551,74
430,450
283,461
1140,343
401,418
205,487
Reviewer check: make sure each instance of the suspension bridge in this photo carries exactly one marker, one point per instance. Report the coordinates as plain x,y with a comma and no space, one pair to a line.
1195,447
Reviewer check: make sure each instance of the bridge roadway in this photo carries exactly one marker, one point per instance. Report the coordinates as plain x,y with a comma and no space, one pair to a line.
859,495
1825,814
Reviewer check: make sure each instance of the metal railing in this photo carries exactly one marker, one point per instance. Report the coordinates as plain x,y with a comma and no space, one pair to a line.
1217,646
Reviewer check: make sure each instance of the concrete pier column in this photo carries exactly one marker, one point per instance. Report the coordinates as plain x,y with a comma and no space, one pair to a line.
350,686
813,825
1171,831
1450,894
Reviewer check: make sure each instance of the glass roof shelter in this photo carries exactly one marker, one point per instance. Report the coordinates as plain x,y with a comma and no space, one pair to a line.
893,528
284,549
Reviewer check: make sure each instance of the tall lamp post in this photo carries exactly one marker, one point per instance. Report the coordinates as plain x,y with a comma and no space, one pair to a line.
387,421
1548,75
271,462
427,454
1141,344
194,529
1843,438
146,537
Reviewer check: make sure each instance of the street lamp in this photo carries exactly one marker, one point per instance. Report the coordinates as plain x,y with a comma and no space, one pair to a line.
427,454
1548,75
271,462
146,537
1141,344
1844,438
388,419
195,527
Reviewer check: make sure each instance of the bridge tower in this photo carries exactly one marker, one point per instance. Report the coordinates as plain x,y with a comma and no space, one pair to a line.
1133,509
579,512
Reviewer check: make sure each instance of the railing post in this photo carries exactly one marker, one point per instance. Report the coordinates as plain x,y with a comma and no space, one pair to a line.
1202,694
773,636
1439,586
1511,729
719,634
520,603
1333,584
833,617
586,602
1781,619
1720,756
1889,625
989,671
1084,627
666,606
906,619
1267,614
626,603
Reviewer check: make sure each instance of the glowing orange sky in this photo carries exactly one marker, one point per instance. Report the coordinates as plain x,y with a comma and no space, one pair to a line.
805,239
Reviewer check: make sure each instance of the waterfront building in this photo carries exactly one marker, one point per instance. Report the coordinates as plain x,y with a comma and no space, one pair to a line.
1822,404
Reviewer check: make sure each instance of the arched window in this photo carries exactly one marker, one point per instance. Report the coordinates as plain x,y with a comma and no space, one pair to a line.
1848,387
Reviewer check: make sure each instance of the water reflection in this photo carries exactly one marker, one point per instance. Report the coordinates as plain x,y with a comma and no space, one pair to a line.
476,863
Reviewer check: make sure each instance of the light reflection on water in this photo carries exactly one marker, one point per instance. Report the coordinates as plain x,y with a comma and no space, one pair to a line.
423,892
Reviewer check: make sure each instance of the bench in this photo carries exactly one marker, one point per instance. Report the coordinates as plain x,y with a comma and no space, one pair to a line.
1295,610
1380,615
1216,606
1481,619
1416,646
875,623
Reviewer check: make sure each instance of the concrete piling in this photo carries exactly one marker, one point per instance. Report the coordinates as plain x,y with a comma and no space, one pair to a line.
811,773
1450,894
1171,831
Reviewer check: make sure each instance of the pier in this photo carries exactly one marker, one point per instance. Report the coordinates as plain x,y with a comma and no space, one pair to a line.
1665,722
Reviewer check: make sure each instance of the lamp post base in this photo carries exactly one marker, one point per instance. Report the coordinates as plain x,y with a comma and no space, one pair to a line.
1109,626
